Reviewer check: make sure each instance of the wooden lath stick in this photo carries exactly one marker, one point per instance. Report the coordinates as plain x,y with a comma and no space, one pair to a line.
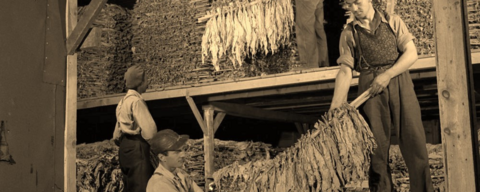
207,17
355,103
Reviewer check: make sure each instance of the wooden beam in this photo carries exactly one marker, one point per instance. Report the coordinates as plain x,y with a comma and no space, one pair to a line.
84,24
454,88
197,114
70,140
208,139
93,39
257,113
218,121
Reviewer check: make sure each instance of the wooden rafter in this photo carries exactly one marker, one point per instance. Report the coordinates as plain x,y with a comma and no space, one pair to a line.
83,25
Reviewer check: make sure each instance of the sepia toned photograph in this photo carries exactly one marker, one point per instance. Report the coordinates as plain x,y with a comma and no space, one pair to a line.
240,96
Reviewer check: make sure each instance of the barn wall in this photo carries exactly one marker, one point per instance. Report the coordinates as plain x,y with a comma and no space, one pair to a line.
32,94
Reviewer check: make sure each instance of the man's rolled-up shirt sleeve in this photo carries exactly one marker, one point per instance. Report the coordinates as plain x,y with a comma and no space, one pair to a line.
403,34
346,47
144,119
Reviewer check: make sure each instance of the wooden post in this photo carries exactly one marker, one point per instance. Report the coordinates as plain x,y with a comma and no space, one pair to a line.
208,139
454,73
70,168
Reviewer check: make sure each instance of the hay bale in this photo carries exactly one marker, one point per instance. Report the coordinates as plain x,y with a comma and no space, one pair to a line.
101,69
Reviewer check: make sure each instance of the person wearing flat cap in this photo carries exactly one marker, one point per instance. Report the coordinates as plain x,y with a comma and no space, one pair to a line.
168,177
133,132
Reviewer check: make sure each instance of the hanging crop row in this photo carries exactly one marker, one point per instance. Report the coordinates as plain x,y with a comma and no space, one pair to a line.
245,28
335,154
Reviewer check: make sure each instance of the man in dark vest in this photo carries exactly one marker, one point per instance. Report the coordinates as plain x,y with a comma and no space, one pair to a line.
380,47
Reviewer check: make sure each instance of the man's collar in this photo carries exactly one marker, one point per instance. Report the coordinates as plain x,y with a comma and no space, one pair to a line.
163,171
134,93
378,14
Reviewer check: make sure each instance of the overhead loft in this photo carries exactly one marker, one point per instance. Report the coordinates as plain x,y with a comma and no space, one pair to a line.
277,84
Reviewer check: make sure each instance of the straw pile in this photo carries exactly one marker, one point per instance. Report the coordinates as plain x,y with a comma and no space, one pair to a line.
326,159
101,69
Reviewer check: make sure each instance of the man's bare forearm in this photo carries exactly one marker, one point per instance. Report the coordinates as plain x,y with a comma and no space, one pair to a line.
342,85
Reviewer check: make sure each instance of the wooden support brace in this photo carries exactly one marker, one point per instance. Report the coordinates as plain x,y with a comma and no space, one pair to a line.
306,127
218,120
93,39
257,113
208,140
454,79
84,24
299,127
197,114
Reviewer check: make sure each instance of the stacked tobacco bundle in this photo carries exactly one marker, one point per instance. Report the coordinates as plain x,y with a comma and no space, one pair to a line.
400,172
473,8
167,39
226,152
98,168
101,69
418,16
326,159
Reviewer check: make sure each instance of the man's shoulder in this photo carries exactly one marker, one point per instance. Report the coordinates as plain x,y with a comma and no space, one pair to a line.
393,18
157,182
157,179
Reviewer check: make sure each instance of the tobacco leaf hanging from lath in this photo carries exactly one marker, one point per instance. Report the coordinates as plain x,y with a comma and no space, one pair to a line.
245,28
